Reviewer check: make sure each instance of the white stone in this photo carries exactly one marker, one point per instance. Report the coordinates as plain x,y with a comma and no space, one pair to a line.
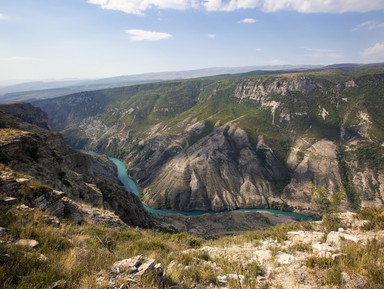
126,265
323,250
305,237
27,243
284,258
10,200
222,280
262,255
335,238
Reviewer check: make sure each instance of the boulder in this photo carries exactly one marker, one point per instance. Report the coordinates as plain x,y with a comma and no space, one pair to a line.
284,258
262,255
27,243
305,237
133,269
323,250
335,238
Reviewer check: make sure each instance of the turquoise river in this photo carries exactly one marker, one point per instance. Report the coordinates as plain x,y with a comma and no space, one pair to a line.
130,186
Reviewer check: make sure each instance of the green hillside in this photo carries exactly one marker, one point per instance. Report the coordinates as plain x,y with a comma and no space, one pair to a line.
282,120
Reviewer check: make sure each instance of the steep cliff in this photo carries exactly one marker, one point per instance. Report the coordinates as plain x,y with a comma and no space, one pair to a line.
239,141
41,155
221,171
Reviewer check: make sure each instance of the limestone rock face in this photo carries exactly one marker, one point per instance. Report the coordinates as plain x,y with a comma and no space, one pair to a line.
370,185
311,163
221,171
258,90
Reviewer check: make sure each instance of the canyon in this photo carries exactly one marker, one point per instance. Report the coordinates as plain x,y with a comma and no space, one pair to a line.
238,141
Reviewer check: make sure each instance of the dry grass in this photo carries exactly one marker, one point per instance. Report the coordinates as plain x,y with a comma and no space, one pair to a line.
375,217
75,253
364,261
8,133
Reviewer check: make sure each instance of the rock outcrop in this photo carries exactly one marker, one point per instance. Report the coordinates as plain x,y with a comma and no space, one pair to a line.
131,273
26,113
304,259
41,155
260,89
221,171
312,164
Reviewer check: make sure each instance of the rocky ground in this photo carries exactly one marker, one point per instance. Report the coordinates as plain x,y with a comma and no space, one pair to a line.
221,224
302,260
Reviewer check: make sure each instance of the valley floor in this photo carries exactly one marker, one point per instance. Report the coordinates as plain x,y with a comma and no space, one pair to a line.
213,226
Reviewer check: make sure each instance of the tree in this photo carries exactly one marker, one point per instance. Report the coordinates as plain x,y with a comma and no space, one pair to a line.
327,203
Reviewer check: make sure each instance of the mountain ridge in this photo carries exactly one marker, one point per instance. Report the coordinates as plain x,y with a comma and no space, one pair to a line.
49,89
308,127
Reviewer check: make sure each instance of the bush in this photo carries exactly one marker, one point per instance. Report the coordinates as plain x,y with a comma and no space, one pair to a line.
375,217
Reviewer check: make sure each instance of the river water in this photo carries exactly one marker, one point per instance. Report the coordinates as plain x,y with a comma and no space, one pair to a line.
130,186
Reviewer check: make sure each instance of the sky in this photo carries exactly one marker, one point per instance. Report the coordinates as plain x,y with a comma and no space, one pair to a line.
69,39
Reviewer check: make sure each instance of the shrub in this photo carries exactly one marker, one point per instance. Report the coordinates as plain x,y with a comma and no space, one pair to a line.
375,217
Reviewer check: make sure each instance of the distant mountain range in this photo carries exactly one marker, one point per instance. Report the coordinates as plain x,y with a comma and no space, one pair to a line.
49,89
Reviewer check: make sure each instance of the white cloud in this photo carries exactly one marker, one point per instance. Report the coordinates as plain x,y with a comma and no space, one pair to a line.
303,6
247,20
369,25
321,53
323,6
374,53
212,36
231,5
139,6
144,35
3,16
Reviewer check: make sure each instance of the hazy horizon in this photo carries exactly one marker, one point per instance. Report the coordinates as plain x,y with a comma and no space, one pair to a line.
90,39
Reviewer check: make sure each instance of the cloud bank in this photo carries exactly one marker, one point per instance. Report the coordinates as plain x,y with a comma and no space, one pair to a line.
144,35
321,53
302,6
369,25
374,53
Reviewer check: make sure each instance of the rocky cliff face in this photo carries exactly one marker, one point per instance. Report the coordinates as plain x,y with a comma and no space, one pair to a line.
259,89
221,171
227,143
42,155
26,113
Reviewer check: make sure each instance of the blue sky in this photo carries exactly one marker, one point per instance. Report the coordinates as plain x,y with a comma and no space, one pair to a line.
55,39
